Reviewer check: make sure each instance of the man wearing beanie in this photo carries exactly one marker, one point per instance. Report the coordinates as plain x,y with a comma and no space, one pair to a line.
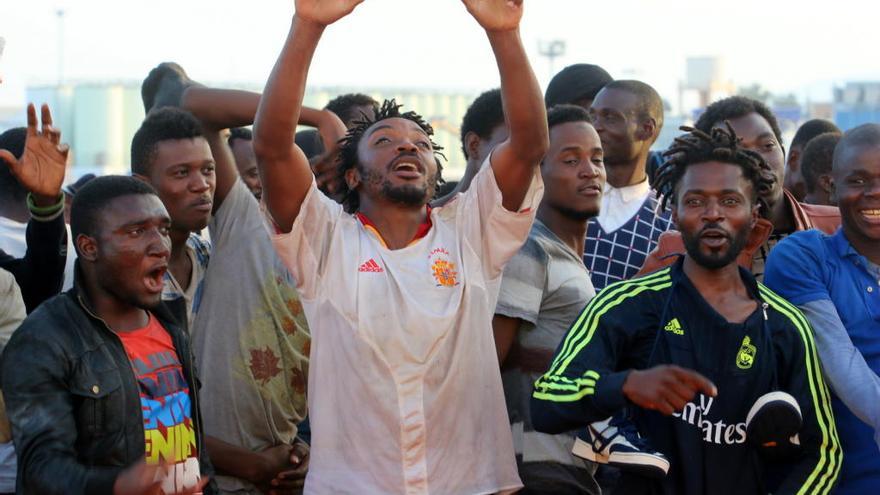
576,84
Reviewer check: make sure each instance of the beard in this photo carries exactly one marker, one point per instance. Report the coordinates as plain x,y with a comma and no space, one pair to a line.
407,194
718,259
578,215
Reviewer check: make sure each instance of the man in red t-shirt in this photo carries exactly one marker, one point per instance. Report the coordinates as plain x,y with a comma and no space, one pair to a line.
169,434
99,383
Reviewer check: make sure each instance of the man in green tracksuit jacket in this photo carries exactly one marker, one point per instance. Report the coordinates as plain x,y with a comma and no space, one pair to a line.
693,346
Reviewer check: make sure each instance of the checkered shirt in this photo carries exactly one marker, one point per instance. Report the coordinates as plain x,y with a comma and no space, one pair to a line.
619,255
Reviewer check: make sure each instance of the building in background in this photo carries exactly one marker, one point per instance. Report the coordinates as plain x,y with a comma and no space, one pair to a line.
99,119
857,103
706,80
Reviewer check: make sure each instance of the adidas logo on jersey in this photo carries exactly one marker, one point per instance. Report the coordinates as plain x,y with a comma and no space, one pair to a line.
371,267
674,326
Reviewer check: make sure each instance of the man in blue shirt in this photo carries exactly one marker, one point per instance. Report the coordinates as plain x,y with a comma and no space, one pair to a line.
835,280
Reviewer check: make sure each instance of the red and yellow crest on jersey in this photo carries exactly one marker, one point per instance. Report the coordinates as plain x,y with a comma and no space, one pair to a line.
444,271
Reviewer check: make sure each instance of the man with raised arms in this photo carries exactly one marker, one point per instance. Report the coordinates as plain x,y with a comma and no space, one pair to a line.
252,335
404,390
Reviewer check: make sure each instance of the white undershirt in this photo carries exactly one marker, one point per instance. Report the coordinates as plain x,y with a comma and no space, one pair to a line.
619,205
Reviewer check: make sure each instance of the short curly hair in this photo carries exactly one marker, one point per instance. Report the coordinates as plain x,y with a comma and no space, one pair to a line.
346,106
719,145
348,147
565,113
161,124
810,129
818,158
485,114
11,190
237,133
735,107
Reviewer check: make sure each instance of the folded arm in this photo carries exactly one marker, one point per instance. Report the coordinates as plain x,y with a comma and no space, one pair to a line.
219,109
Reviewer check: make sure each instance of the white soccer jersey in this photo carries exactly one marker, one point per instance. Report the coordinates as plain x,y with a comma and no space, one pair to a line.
405,393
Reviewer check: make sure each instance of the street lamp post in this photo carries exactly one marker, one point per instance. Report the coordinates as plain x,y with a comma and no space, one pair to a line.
551,50
60,14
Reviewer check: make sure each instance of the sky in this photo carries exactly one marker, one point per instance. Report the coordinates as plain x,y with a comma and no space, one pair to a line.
803,47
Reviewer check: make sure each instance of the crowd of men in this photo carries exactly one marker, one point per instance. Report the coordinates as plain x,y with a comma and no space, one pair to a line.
256,310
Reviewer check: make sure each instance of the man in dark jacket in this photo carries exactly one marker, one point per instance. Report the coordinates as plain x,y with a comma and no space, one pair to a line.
32,166
99,383
34,162
653,343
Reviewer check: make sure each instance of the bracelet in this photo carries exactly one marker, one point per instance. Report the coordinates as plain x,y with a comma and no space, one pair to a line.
44,211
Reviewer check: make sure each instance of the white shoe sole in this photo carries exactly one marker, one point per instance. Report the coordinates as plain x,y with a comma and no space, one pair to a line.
585,451
768,398
647,464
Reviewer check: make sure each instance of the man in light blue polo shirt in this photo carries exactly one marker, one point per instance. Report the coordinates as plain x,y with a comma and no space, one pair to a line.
835,280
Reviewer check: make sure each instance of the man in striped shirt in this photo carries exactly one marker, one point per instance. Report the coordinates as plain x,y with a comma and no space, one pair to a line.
694,346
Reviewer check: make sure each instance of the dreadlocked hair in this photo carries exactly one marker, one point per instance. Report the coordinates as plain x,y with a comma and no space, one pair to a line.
348,145
722,145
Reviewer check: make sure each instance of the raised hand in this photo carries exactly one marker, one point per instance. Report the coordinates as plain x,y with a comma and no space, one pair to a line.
42,166
496,15
324,12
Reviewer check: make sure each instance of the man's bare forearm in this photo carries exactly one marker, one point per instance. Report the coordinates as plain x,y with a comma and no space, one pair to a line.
521,94
221,108
281,104
226,108
514,161
284,169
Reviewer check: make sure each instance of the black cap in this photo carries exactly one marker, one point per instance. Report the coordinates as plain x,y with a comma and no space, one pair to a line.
71,189
576,82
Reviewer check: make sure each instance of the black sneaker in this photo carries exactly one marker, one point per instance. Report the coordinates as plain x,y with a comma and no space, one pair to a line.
622,448
774,421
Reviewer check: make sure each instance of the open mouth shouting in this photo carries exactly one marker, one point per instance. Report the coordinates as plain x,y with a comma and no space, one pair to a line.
407,167
154,279
714,238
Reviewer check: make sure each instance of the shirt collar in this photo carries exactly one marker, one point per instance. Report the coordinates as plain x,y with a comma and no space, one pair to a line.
422,231
631,192
748,278
842,245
